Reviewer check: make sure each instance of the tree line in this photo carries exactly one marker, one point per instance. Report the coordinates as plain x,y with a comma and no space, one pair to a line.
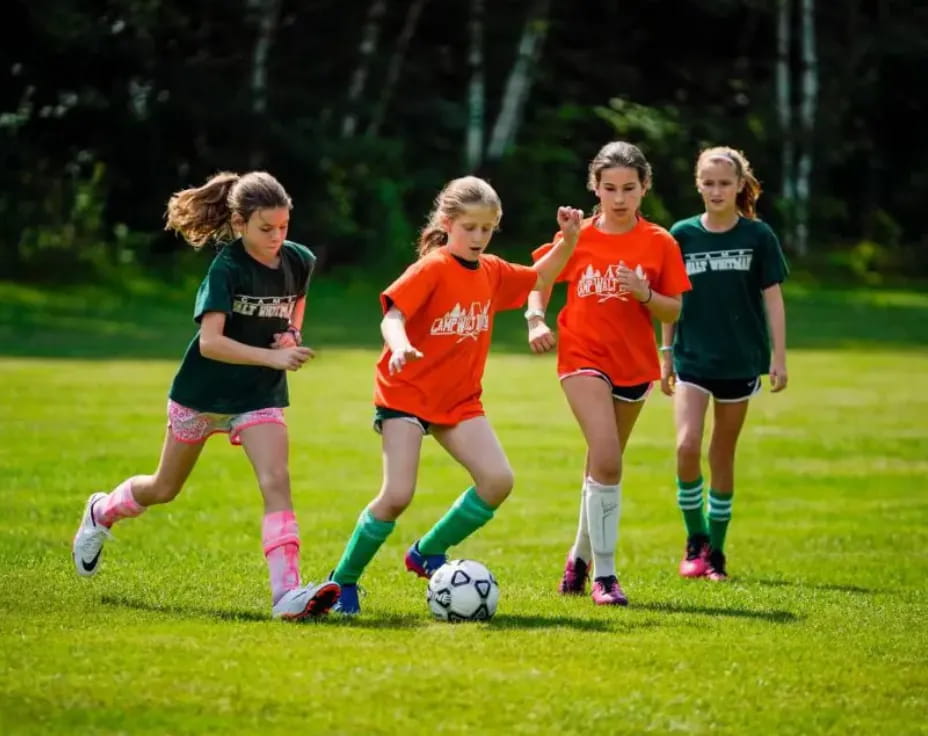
365,109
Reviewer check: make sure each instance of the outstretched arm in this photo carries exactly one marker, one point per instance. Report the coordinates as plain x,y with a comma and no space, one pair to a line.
553,262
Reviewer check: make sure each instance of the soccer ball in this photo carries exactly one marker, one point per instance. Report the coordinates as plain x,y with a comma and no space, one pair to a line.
463,590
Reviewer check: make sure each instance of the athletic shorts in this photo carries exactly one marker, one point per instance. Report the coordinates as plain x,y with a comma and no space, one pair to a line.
723,390
381,413
631,394
193,427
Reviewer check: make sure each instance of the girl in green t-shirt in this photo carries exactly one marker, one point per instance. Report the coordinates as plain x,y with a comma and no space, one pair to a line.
233,377
720,346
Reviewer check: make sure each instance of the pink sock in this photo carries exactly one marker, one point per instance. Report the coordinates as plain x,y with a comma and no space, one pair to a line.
280,536
120,504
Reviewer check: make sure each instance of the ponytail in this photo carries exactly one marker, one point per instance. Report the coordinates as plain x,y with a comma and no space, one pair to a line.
203,214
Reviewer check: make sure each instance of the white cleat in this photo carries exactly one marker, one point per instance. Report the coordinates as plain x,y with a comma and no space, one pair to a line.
88,542
307,601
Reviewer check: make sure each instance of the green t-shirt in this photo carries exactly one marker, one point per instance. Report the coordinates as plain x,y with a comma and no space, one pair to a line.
722,332
257,301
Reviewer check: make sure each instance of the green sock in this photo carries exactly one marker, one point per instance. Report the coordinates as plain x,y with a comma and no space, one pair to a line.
689,499
719,516
368,535
466,515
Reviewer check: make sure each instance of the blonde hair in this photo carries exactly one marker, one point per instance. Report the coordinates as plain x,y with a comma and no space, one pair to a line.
746,201
452,200
203,214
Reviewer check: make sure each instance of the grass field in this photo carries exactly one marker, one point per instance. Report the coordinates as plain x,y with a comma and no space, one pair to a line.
821,630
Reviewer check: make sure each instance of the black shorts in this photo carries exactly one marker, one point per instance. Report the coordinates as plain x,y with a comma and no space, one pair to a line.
381,413
633,394
724,390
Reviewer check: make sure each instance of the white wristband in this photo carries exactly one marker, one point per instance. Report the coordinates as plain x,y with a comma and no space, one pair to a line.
532,313
665,349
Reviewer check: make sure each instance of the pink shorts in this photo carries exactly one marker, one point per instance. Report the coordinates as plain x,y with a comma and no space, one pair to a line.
192,426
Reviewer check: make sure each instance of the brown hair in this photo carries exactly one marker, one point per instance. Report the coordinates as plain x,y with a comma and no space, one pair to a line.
618,154
746,201
450,203
203,214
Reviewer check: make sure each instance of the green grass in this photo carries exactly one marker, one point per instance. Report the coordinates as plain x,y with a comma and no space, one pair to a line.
822,629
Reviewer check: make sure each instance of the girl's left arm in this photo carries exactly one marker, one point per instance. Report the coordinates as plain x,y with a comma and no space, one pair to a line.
776,319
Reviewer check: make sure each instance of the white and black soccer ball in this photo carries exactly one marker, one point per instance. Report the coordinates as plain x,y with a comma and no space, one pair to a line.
463,590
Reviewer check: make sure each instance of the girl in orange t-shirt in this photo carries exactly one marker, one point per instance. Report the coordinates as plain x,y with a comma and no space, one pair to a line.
624,273
437,326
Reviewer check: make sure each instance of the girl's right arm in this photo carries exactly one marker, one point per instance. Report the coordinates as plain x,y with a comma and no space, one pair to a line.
393,329
216,346
668,376
540,337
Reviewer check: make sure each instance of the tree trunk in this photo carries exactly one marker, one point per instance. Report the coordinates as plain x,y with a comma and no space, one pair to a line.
366,51
266,13
395,65
519,82
807,111
476,94
785,115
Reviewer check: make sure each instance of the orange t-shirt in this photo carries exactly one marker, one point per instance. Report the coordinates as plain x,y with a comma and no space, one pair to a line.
602,326
449,311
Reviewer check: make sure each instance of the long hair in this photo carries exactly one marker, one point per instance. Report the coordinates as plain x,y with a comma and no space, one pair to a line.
746,201
457,194
618,154
203,214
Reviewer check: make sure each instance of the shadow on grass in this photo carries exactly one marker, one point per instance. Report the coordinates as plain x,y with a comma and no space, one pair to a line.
153,320
171,609
772,583
518,621
771,616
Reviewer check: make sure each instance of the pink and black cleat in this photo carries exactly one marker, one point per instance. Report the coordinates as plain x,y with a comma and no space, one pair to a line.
715,570
695,560
608,592
576,573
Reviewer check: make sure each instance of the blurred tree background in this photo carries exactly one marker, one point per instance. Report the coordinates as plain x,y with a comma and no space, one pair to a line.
364,109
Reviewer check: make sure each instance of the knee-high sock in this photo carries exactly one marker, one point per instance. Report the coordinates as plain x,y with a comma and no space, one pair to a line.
603,508
280,537
466,515
582,548
369,533
120,504
719,517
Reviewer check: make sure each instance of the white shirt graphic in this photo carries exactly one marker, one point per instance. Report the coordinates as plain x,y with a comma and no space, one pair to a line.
465,323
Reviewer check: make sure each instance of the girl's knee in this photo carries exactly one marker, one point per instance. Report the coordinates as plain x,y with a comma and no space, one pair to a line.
162,491
496,485
391,502
274,483
606,470
688,448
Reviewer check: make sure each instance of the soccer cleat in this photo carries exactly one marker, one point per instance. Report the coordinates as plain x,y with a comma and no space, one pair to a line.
576,573
423,565
695,560
307,601
87,546
716,567
608,592
348,603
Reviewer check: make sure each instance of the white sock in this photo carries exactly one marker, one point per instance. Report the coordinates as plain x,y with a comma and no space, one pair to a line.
582,548
603,509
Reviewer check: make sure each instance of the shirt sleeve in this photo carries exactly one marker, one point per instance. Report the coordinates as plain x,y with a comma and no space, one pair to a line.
673,279
412,289
513,283
307,260
773,266
216,292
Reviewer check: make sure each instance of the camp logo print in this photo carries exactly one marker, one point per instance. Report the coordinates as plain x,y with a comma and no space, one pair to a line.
465,323
604,284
